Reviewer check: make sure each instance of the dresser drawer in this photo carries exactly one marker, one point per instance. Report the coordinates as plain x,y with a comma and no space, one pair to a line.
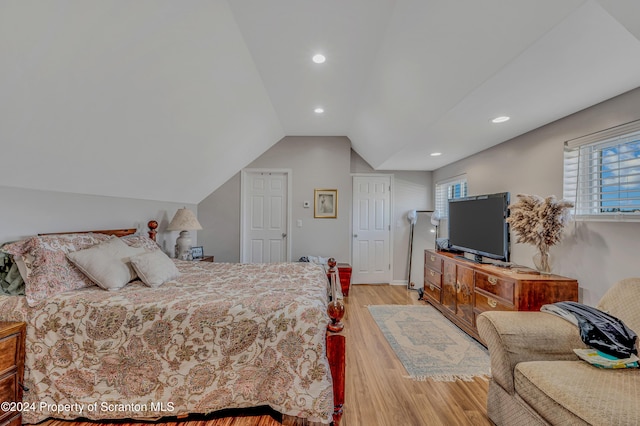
432,277
8,386
15,421
8,351
494,285
485,302
433,292
432,261
12,336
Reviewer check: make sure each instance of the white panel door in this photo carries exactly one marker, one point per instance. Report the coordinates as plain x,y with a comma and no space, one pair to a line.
371,230
265,219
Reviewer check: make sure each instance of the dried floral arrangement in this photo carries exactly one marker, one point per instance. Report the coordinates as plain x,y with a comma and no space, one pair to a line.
539,221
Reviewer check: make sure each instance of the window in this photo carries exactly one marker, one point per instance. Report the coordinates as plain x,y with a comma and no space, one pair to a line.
602,174
448,190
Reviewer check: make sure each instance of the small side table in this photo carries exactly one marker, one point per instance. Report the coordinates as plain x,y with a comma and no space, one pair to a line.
12,346
205,259
344,272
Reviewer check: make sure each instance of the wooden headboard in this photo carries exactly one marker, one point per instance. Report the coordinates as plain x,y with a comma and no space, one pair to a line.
153,225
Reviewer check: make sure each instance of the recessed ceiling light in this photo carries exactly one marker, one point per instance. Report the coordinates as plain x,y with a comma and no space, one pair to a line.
318,110
500,119
319,59
435,154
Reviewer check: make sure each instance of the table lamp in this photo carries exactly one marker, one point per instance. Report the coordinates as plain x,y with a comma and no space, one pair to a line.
184,221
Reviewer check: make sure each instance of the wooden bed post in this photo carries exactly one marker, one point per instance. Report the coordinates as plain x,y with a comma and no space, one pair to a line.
153,225
336,353
336,345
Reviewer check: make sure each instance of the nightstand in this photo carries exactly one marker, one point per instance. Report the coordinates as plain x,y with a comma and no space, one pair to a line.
344,272
205,259
12,340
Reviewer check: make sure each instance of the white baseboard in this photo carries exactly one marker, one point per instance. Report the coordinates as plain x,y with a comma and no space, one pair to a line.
399,282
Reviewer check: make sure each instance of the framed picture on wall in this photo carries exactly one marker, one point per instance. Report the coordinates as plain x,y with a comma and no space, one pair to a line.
325,203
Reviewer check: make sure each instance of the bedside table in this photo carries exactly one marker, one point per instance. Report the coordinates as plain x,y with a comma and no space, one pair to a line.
205,259
344,272
12,340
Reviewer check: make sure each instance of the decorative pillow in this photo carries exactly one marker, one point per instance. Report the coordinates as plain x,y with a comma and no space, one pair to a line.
107,264
11,282
140,241
16,248
154,268
48,272
24,264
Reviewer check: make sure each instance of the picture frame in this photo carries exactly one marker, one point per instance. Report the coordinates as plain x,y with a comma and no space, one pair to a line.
197,252
325,203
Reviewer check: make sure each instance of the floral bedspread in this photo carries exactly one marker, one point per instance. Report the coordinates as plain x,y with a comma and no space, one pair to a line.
221,336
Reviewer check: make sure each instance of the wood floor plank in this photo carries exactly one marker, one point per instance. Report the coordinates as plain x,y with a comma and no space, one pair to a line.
377,391
389,397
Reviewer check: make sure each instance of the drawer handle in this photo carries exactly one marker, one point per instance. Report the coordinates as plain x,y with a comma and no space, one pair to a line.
433,274
433,258
493,280
431,287
491,302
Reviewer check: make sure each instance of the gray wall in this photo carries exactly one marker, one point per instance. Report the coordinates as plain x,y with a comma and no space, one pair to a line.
412,191
316,162
596,253
27,212
219,215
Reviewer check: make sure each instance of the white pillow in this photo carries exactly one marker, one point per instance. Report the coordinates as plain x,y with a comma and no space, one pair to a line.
107,264
154,268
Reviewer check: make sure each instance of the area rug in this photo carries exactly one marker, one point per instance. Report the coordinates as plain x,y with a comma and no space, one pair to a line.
429,345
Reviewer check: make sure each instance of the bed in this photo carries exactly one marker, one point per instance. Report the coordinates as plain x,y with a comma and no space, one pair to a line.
216,336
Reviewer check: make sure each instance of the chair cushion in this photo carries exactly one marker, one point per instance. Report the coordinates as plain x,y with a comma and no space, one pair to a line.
574,392
622,300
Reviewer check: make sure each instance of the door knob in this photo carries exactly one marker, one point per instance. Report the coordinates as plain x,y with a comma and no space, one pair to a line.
284,235
355,235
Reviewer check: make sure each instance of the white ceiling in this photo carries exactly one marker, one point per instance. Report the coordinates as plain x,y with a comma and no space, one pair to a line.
167,99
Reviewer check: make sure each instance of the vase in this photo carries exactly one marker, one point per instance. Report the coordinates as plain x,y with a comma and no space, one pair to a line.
542,261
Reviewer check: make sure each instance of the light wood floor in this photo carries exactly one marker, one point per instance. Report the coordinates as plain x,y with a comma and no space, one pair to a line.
376,392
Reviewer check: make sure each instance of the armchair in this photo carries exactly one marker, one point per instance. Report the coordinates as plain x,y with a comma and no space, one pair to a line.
538,380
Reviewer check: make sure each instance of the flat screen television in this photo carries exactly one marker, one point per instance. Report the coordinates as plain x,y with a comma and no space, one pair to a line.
478,225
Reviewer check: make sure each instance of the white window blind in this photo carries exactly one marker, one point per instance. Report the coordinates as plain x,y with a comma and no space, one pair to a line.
447,190
602,174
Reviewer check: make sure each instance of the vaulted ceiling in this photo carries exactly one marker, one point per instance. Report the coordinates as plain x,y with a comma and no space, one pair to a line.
167,99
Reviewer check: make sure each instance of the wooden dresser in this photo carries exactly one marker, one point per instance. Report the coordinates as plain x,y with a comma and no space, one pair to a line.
12,340
462,289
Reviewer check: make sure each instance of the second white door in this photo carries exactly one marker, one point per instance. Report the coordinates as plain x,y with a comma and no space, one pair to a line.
371,230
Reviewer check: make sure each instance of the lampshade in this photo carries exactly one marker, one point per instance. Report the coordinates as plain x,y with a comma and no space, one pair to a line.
435,218
184,220
412,216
